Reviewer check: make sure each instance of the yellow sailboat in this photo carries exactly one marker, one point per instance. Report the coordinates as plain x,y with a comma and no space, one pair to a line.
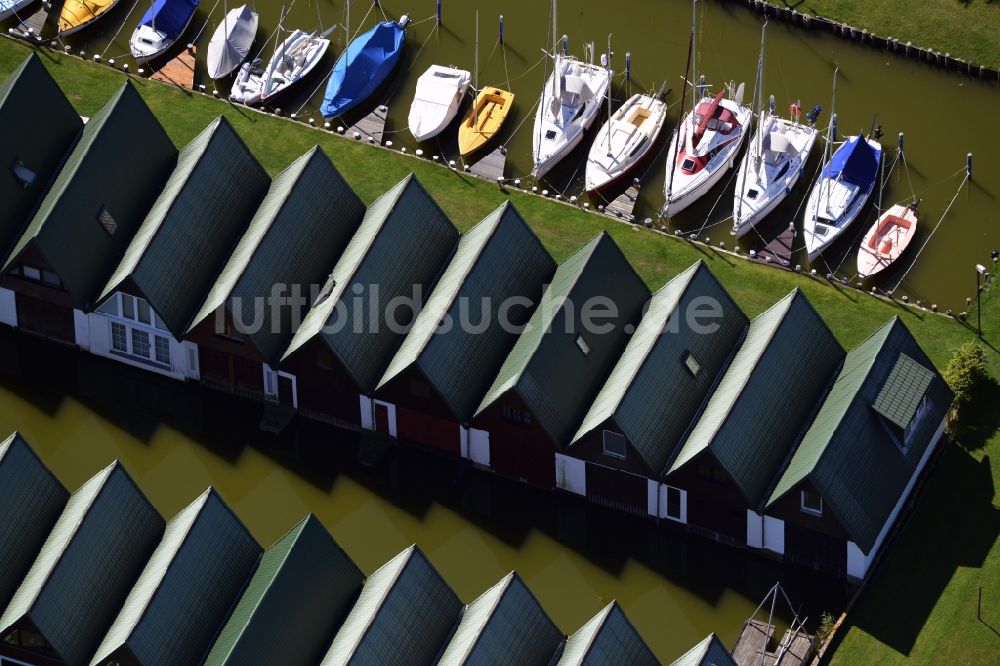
484,121
78,14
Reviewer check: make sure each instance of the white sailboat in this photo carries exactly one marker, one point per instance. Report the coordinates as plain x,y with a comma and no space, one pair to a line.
231,41
624,140
842,189
569,104
774,161
705,144
435,104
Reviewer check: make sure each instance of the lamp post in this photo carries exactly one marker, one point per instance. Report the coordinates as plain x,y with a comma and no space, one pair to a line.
980,271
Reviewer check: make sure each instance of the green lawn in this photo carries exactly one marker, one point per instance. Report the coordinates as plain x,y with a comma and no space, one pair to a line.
924,593
966,29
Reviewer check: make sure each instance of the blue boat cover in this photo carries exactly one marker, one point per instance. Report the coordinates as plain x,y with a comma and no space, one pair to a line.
362,68
855,162
169,16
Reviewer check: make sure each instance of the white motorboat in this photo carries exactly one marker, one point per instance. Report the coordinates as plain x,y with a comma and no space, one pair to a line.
624,140
160,27
439,94
231,41
705,144
774,161
569,104
292,61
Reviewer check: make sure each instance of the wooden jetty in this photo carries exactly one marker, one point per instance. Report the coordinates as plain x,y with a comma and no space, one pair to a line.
32,27
779,251
754,646
492,166
371,127
179,71
625,203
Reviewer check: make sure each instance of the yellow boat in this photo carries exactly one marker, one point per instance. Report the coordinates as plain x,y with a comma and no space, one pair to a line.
78,14
484,121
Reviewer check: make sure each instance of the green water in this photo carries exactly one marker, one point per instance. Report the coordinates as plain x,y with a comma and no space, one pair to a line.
944,116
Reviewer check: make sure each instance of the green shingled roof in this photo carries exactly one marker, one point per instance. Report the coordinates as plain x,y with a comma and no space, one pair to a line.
651,393
546,367
709,652
402,617
403,242
766,396
298,232
66,228
187,588
301,590
39,128
607,639
847,454
83,571
498,259
901,394
505,625
191,229
31,499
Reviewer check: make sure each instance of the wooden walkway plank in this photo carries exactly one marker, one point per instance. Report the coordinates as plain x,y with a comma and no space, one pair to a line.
624,205
179,71
371,127
492,166
779,251
31,27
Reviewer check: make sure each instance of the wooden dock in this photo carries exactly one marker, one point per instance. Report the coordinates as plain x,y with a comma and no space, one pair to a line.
779,251
32,27
753,647
624,205
371,127
492,166
179,71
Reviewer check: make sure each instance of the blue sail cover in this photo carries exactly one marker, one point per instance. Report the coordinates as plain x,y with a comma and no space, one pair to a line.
855,162
169,16
362,68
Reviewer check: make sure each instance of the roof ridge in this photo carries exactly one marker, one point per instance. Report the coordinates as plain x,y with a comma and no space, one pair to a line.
15,437
412,549
506,582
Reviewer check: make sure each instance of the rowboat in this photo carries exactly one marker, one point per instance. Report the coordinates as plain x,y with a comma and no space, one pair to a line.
435,104
484,120
160,26
887,239
363,66
624,140
10,7
231,41
292,61
843,188
78,14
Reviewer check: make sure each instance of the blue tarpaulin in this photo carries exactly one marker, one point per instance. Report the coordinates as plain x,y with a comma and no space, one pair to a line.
362,68
169,16
856,161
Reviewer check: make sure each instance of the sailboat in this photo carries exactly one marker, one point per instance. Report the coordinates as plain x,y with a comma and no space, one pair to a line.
774,161
887,239
569,104
489,110
363,66
624,140
842,189
231,41
435,104
705,144
292,61
160,26
76,15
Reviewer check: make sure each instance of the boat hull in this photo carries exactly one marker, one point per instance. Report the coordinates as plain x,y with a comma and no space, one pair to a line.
440,91
231,42
484,121
632,132
353,78
70,24
886,240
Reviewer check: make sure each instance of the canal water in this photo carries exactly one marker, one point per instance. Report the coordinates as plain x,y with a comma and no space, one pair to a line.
80,412
944,116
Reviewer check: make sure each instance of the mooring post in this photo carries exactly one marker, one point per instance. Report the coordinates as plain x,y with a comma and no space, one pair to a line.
968,166
833,128
565,44
628,65
438,13
900,143
501,28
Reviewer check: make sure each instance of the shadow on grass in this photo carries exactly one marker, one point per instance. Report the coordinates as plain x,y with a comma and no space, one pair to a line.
980,419
957,502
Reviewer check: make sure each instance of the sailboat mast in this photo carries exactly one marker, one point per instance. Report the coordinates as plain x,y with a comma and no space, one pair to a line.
694,55
475,78
680,124
760,88
555,50
829,137
610,81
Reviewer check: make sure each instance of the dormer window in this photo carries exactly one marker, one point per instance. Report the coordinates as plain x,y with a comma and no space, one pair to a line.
903,400
108,222
23,174
811,503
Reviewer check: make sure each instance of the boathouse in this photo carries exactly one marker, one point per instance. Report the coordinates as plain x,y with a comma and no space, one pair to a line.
39,127
31,499
171,263
84,570
753,420
186,590
461,337
303,587
505,625
607,638
557,366
88,217
248,318
366,307
861,457
403,616
684,342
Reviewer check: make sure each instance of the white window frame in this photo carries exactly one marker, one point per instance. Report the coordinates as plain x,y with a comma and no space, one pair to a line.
680,517
604,444
808,509
115,315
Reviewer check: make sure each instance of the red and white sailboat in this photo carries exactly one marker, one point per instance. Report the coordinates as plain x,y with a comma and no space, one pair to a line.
705,144
887,239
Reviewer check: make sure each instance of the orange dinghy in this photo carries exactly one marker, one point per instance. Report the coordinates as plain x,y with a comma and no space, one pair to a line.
887,239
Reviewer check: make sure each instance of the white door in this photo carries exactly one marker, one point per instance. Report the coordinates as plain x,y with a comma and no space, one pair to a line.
479,447
8,307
